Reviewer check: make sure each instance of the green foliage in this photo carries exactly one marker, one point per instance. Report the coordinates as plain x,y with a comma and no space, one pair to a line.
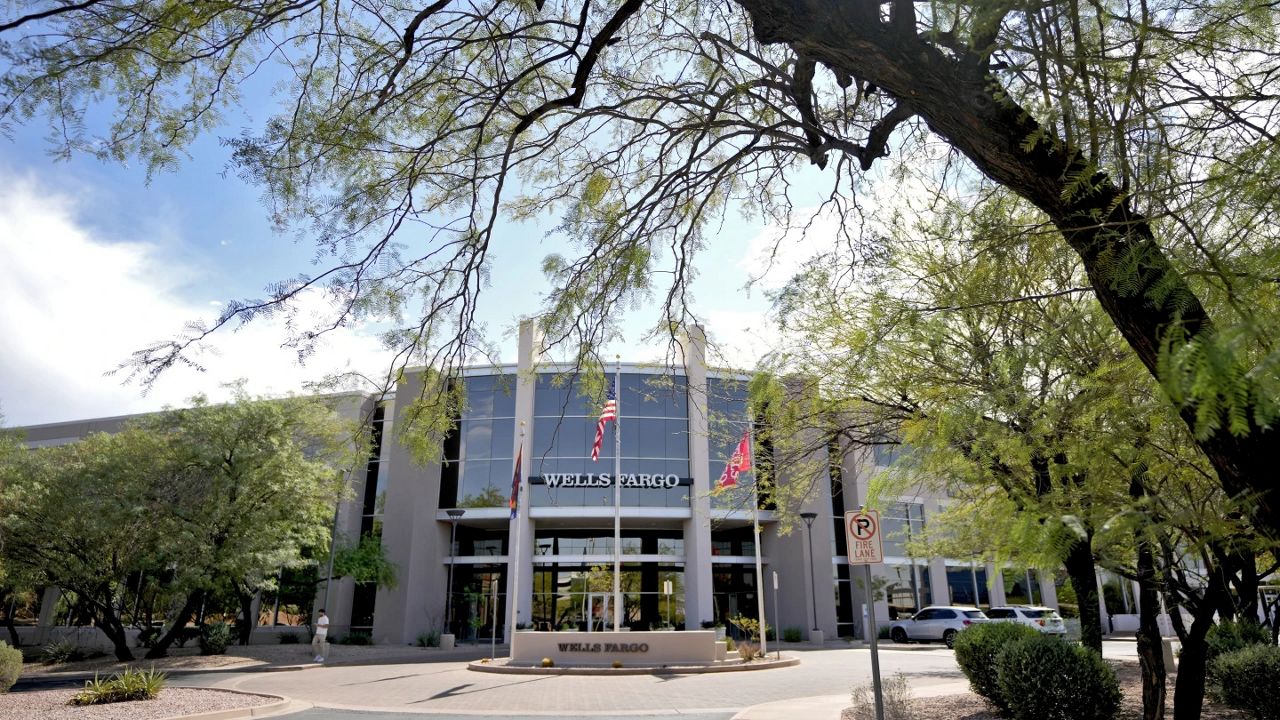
1045,678
792,634
356,638
1228,637
10,666
1249,679
366,562
977,649
748,625
429,639
214,638
62,651
125,686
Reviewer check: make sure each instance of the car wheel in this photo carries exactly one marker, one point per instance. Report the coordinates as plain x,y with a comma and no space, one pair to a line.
898,635
949,637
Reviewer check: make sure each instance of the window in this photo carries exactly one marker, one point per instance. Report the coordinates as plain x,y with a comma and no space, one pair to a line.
1000,614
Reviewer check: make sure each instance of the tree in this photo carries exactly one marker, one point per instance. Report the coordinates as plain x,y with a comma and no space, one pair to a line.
1140,131
265,475
85,516
961,343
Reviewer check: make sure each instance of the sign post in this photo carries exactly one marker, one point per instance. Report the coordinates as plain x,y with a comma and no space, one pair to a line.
862,537
778,628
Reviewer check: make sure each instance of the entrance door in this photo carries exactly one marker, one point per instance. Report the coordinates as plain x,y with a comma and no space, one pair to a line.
595,611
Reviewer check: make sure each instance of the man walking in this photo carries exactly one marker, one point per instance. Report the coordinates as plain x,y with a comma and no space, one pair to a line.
320,641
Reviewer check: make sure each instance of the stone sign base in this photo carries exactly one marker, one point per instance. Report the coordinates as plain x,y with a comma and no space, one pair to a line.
603,649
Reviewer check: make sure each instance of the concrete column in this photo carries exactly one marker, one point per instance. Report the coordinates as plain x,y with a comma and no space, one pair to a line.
48,606
698,599
940,593
520,589
1048,591
995,584
1102,606
411,536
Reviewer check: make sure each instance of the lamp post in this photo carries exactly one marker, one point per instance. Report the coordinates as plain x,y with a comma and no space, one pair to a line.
454,514
809,517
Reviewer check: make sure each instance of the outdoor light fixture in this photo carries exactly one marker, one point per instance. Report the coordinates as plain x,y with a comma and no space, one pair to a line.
454,514
809,517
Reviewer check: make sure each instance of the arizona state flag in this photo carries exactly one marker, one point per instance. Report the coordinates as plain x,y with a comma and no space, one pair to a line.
515,484
738,464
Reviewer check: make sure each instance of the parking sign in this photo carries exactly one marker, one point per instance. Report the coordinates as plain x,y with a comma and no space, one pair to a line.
862,535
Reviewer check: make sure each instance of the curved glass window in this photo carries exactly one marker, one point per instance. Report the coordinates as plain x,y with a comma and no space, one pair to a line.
654,412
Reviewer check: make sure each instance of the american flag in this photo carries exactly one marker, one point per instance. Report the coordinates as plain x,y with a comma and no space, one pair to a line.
607,413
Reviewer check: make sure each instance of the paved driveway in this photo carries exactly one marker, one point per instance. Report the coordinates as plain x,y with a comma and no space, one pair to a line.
451,689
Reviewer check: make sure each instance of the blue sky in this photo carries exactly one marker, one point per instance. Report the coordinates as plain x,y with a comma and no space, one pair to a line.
96,262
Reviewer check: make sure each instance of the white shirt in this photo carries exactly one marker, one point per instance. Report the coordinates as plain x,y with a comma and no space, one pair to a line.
322,626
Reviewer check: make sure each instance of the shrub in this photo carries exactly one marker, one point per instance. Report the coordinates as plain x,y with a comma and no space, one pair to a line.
147,637
1249,679
214,638
747,650
429,639
728,644
1230,636
977,648
289,638
10,666
356,638
708,624
897,701
883,632
124,686
62,651
791,634
1044,678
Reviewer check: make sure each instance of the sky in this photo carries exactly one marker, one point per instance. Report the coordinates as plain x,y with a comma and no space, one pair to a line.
97,262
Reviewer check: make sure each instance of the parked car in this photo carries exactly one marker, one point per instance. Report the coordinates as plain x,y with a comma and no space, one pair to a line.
934,623
1045,619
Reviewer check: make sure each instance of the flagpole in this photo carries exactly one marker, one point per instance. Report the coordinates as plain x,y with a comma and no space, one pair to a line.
617,496
755,527
515,529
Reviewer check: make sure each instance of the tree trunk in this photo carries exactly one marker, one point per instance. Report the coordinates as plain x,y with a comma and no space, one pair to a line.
1084,579
14,640
110,624
1150,652
161,648
1188,690
960,100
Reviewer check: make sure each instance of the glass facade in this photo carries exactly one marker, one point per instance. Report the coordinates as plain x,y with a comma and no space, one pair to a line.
654,415
575,596
372,508
968,586
478,451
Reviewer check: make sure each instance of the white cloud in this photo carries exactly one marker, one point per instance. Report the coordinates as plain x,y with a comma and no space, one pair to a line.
74,305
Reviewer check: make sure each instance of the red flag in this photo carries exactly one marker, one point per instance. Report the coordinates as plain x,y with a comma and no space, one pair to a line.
739,463
515,483
607,413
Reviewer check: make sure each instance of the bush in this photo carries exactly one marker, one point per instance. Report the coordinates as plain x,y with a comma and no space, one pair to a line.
747,650
883,632
1249,679
10,666
1044,678
429,639
62,651
791,634
147,637
728,644
214,638
289,638
897,701
124,686
977,648
1230,636
356,638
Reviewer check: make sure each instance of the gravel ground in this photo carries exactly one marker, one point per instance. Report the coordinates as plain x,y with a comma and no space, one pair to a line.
173,702
972,707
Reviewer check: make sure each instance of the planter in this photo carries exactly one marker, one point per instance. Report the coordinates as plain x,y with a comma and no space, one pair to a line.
719,632
816,637
446,641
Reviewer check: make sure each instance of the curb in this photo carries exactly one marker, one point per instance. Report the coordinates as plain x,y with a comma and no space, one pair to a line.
282,703
478,666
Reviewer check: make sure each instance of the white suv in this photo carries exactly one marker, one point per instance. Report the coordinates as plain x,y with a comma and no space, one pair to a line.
940,622
1045,619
